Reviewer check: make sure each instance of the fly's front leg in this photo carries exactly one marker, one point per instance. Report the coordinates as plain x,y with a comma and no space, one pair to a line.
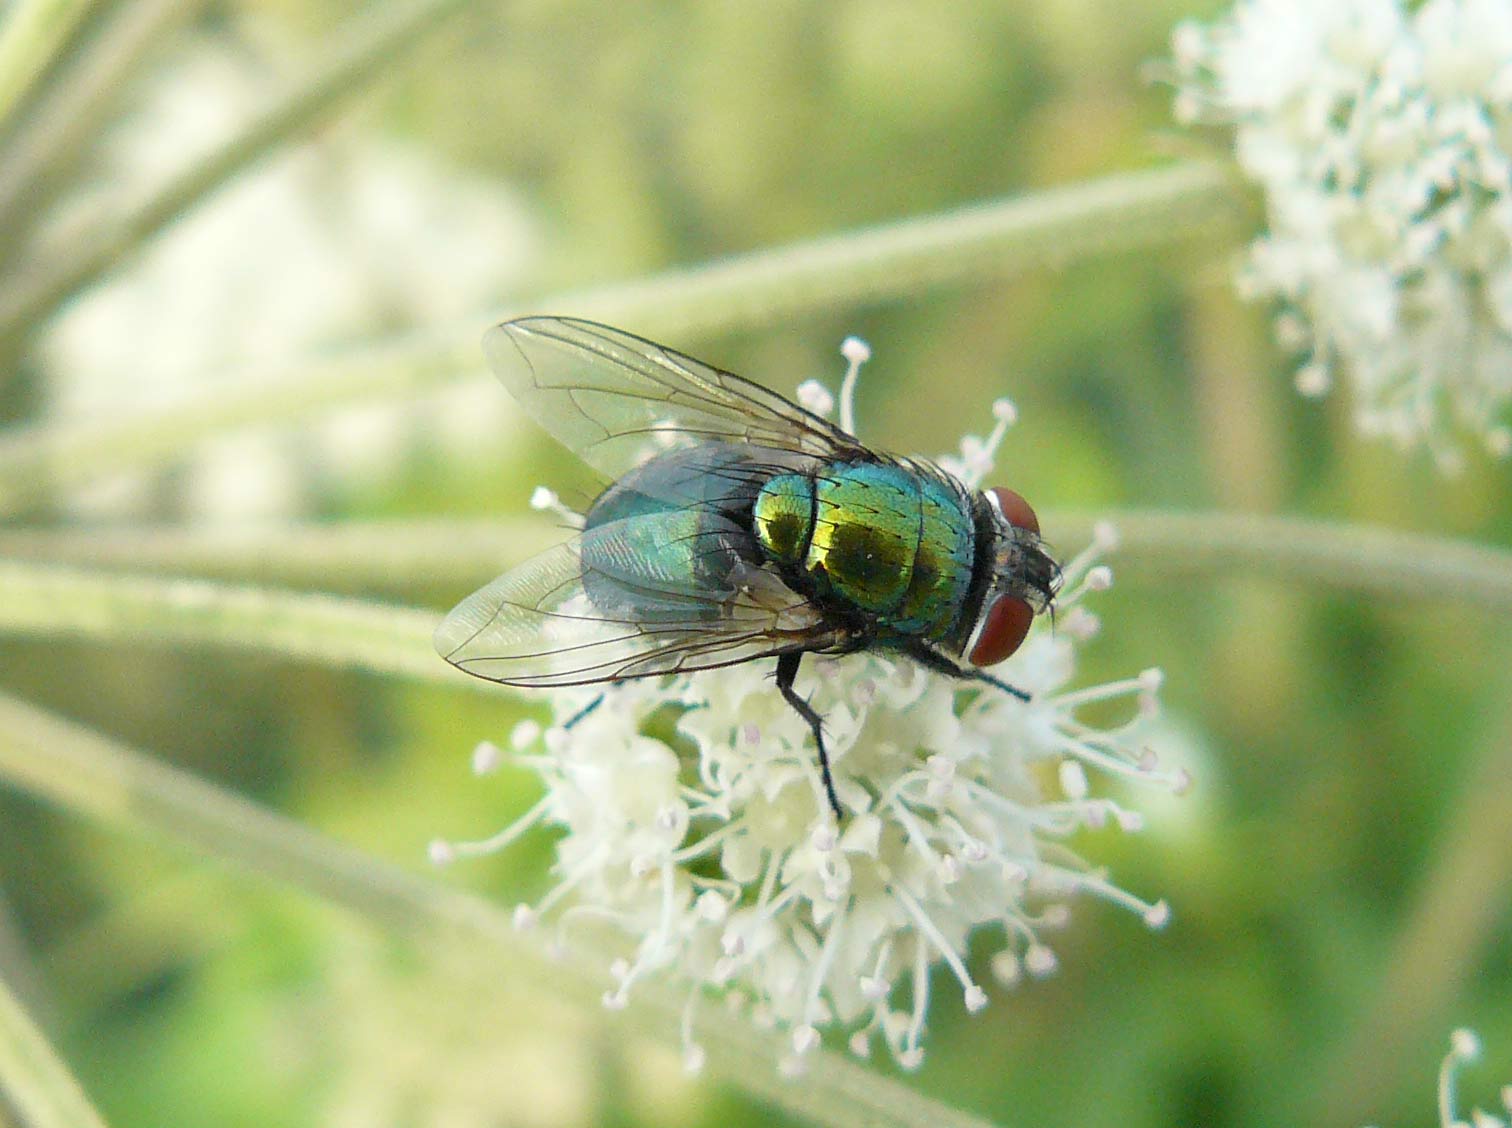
787,672
940,663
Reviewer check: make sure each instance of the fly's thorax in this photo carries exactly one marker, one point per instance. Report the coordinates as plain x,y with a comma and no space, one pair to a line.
1022,578
783,517
889,542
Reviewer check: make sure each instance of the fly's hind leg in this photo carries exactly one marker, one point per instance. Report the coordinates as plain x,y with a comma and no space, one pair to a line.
584,711
787,672
933,660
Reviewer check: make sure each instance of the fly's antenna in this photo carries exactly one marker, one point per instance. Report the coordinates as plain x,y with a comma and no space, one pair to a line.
856,353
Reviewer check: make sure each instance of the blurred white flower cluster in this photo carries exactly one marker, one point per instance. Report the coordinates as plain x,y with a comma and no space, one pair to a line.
1382,137
321,246
695,822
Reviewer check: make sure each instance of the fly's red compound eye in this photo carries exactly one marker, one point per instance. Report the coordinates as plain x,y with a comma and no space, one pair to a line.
1018,511
1003,628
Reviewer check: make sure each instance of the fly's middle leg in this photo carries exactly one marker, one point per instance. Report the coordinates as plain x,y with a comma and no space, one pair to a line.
787,672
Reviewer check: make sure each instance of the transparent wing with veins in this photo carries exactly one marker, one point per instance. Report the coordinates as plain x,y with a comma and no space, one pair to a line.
537,626
616,399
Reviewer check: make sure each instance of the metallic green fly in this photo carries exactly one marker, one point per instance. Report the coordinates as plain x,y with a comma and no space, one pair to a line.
738,526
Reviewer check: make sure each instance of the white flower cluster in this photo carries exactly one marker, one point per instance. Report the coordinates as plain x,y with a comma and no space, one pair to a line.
695,821
1382,138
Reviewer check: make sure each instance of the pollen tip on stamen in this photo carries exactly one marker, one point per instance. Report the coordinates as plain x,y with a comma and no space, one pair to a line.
1073,780
615,1000
1149,760
733,944
941,766
824,838
1130,822
711,906
1181,782
855,350
1158,915
974,852
1313,380
523,735
441,852
815,397
1105,536
874,988
542,498
1099,578
975,998
1005,411
524,918
911,1058
950,870
1040,961
1464,1044
486,758
1152,679
860,1044
805,1039
750,733
694,1059
1007,968
1055,917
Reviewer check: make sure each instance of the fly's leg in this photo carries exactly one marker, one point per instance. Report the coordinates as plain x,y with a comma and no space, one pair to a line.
934,660
787,671
584,711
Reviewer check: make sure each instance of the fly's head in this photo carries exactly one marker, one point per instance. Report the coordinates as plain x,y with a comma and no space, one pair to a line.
1023,584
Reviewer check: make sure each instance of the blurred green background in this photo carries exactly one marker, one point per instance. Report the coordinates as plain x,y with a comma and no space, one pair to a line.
1339,904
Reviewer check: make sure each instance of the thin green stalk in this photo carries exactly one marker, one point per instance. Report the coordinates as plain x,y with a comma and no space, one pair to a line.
365,51
352,555
35,1085
94,776
458,552
39,599
31,34
1450,928
70,114
1361,558
997,239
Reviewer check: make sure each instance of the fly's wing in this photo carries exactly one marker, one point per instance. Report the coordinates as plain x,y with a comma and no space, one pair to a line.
616,399
539,626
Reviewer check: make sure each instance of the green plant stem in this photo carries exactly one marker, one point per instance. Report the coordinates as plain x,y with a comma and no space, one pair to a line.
37,599
1052,227
1452,924
35,1085
31,34
94,776
403,554
69,116
1405,566
365,51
